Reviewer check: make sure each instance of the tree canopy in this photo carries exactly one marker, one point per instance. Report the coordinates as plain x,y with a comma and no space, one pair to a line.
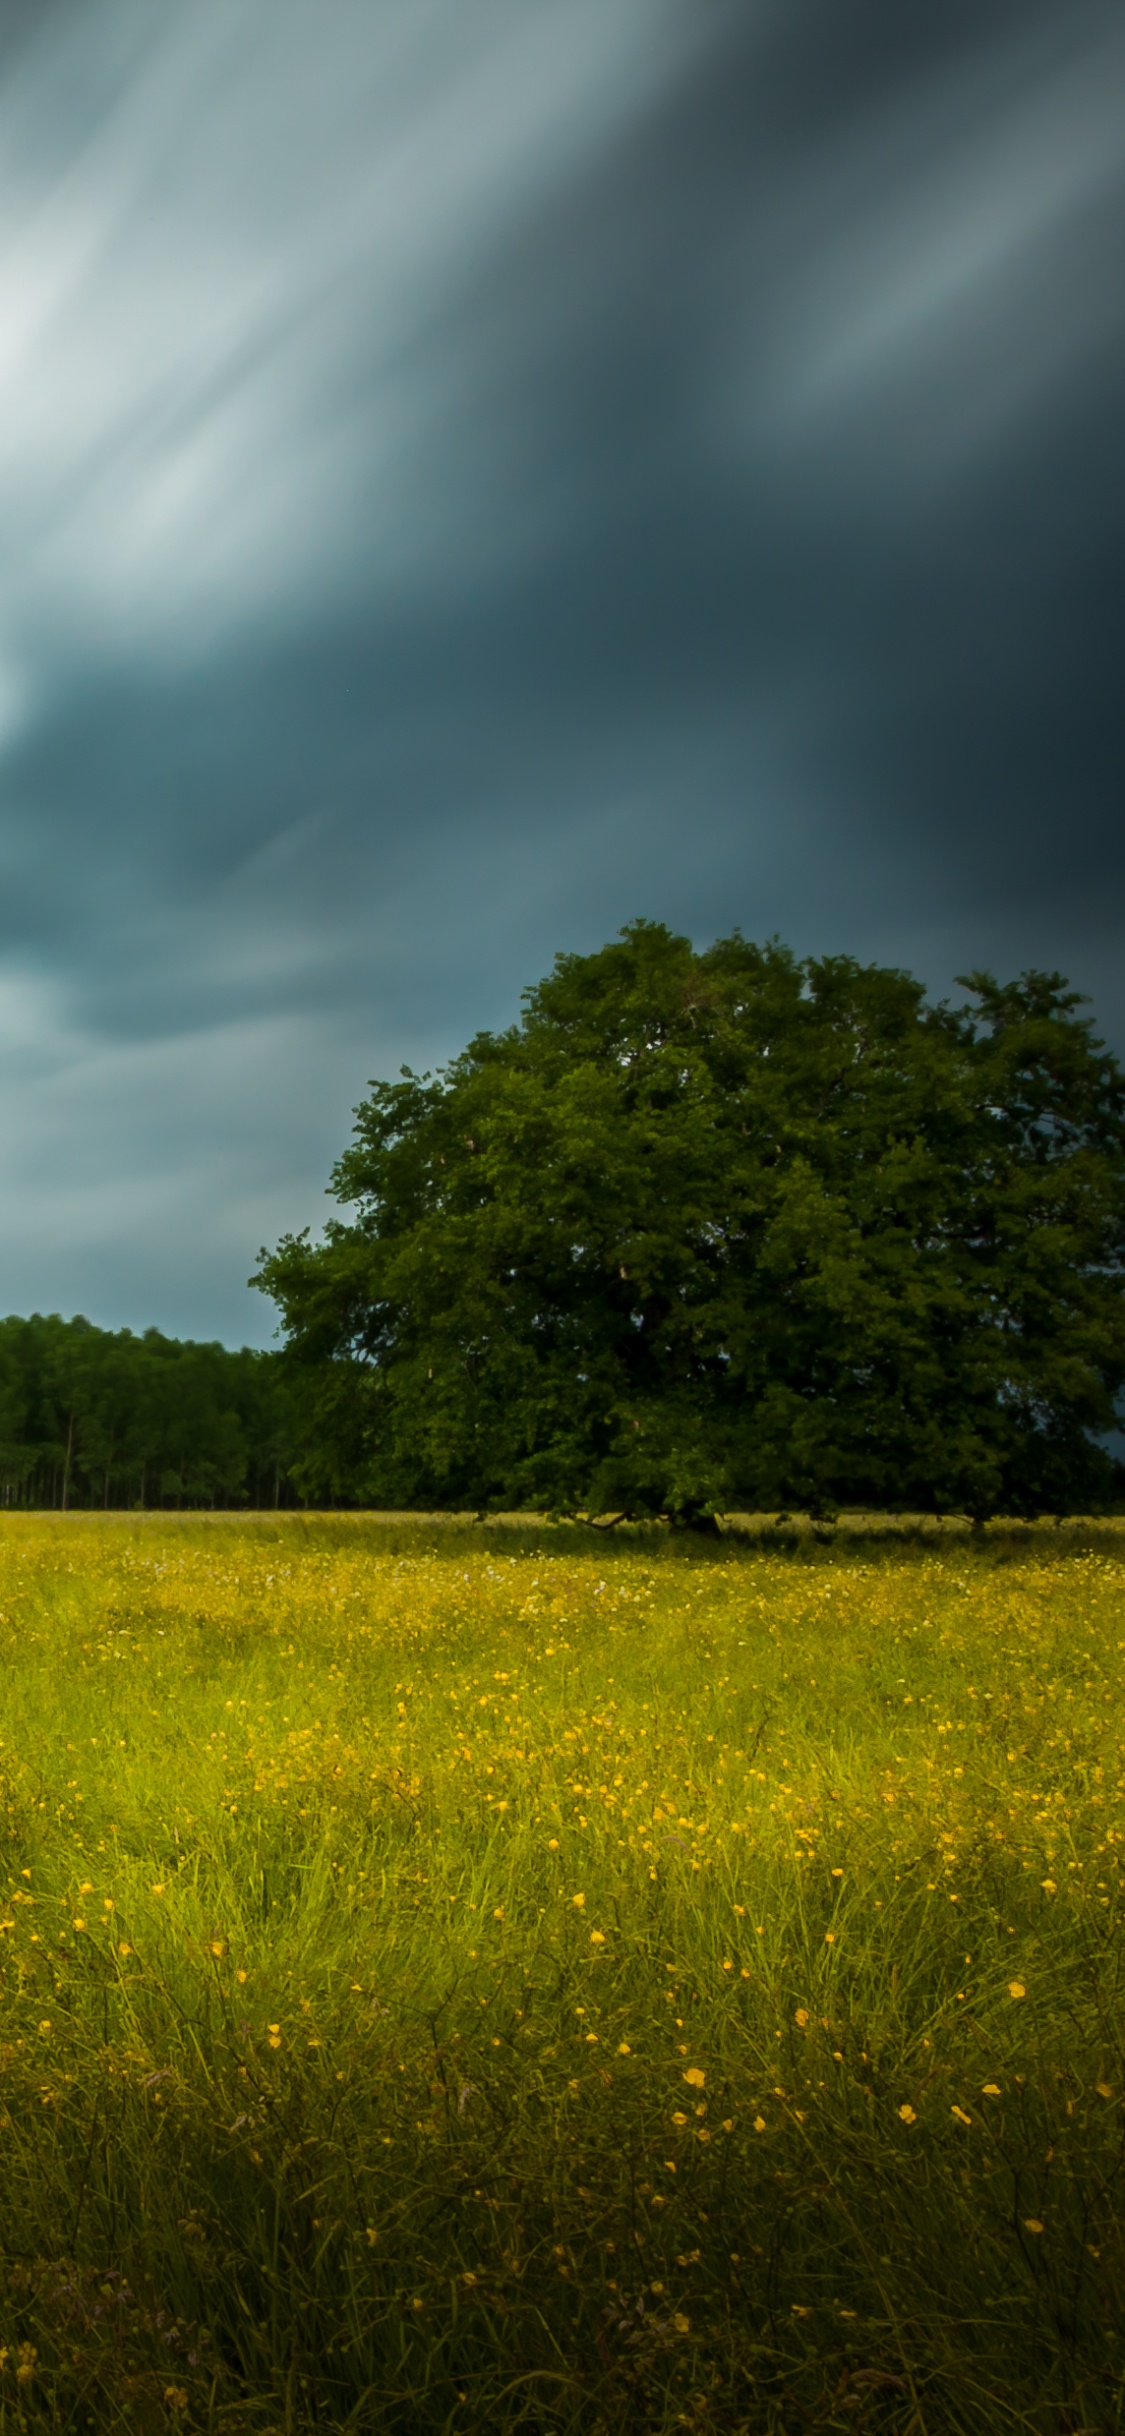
718,1231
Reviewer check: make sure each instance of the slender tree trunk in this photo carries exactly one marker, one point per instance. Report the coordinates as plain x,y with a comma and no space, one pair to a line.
66,1465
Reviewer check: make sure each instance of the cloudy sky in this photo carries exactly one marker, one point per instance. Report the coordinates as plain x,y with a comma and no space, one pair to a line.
473,472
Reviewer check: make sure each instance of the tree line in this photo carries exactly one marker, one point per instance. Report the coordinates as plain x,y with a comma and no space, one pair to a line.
719,1231
94,1417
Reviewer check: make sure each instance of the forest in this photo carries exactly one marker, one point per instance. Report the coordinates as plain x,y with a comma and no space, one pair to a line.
98,1417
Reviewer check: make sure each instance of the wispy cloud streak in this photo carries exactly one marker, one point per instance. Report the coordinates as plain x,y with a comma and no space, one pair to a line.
218,309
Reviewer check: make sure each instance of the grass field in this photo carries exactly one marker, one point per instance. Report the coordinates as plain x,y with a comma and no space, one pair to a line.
471,1980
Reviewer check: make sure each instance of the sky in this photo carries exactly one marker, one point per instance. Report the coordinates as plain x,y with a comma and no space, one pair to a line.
477,472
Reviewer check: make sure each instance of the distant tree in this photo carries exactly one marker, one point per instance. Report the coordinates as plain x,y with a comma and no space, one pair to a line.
14,1453
107,1403
64,1380
720,1231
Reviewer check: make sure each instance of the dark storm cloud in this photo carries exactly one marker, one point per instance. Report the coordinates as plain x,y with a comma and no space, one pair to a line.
469,475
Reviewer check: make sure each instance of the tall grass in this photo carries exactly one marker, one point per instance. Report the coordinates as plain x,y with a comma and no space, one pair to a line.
466,1981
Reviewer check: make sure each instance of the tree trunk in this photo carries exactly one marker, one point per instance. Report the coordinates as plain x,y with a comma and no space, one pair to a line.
697,1518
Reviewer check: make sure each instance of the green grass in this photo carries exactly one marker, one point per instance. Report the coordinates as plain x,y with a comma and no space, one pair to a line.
473,1980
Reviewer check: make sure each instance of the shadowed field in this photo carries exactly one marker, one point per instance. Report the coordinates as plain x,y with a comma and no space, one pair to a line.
491,1979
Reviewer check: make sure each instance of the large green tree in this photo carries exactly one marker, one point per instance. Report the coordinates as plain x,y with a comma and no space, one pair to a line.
720,1231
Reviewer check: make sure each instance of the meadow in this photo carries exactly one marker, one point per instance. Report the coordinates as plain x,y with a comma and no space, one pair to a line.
475,1979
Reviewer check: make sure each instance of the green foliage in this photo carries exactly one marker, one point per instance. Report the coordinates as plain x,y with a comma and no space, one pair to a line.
88,1417
726,1231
